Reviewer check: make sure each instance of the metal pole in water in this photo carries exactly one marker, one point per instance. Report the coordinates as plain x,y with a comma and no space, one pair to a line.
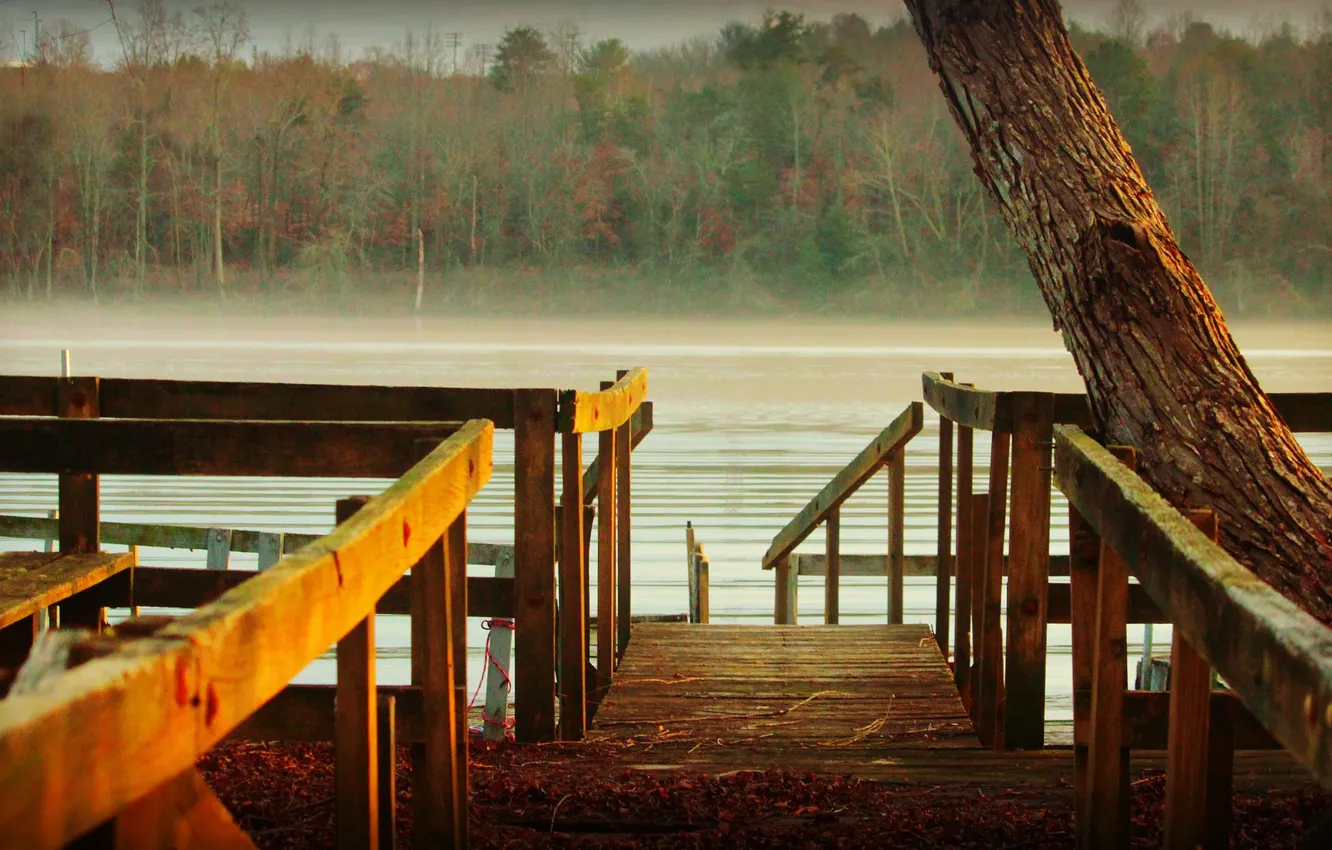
64,364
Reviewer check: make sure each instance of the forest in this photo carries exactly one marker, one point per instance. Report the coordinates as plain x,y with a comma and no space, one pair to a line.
785,163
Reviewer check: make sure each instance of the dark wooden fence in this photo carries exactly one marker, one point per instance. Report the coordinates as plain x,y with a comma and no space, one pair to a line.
1000,668
112,425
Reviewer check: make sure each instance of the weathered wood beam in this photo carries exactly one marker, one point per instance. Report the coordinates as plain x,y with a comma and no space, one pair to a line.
847,481
135,398
584,412
1276,656
158,703
534,564
913,566
199,447
180,587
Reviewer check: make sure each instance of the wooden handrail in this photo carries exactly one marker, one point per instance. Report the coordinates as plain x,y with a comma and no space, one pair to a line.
1273,654
157,704
135,398
880,450
302,449
989,410
586,412
196,537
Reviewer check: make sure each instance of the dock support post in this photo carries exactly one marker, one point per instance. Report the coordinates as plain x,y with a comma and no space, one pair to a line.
784,608
624,442
942,596
980,521
387,758
608,461
1107,822
270,548
1187,801
965,570
218,548
1028,571
498,660
1084,556
896,533
832,580
534,565
80,500
356,750
573,613
439,779
991,554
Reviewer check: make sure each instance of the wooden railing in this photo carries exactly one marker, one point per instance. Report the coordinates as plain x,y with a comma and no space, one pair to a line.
1003,681
608,413
1271,653
370,431
886,450
111,745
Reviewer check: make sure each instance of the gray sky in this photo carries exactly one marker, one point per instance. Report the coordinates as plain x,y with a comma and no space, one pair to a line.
640,23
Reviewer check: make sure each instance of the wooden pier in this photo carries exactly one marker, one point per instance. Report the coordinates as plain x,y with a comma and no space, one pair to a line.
737,697
960,704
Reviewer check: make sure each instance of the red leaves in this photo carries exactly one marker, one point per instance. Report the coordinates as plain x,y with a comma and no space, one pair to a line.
575,795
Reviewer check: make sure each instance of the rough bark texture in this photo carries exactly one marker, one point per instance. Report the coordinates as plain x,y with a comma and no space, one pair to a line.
1162,371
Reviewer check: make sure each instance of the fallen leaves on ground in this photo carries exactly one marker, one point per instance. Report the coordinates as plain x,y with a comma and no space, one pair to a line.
578,795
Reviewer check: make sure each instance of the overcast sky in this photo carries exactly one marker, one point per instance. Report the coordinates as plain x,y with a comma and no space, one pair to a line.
640,23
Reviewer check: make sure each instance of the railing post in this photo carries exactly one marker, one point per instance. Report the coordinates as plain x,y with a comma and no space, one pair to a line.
356,749
441,798
218,548
704,589
979,521
387,767
80,501
1107,823
832,580
1187,802
896,532
498,660
690,575
455,566
1084,550
991,554
965,572
784,609
1028,570
534,565
608,461
943,579
624,442
573,613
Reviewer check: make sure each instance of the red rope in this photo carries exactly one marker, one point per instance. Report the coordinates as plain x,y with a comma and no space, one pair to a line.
488,625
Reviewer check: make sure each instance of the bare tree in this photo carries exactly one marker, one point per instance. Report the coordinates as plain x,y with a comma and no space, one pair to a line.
223,29
1128,21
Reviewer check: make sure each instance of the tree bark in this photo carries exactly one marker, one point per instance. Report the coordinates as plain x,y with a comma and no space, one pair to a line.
1163,374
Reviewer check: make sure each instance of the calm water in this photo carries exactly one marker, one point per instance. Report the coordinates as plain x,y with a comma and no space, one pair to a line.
752,418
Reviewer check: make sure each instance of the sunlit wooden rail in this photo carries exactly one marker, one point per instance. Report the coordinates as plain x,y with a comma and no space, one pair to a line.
886,451
1274,656
225,428
159,702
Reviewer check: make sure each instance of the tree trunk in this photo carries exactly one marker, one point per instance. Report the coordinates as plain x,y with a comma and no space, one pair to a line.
1162,371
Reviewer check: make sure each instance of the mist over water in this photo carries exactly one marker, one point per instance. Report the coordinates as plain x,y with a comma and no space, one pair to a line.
752,419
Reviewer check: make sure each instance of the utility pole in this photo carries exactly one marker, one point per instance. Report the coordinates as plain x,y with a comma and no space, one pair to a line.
484,51
454,40
36,38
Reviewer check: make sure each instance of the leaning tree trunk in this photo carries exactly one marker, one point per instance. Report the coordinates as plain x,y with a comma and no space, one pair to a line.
1163,374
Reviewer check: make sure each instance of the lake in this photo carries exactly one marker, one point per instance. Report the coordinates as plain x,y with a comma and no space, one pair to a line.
752,419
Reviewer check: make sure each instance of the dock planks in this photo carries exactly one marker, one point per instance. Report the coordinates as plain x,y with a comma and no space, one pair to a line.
789,695
30,581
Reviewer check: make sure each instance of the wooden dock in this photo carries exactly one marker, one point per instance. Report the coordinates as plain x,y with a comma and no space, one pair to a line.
794,696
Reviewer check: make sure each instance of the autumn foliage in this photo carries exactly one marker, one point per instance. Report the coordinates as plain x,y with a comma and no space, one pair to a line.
812,158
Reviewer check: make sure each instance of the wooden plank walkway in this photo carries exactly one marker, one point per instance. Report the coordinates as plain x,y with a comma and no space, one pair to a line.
30,581
789,695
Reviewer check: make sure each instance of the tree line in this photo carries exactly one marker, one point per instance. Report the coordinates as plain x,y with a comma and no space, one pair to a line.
785,161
